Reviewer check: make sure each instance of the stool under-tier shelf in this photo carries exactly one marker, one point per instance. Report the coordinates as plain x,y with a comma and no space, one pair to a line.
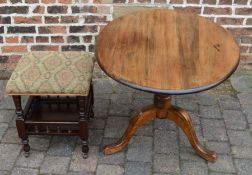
60,94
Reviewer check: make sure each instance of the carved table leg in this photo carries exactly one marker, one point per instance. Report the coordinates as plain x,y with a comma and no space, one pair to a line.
21,125
182,118
83,122
162,109
184,121
145,115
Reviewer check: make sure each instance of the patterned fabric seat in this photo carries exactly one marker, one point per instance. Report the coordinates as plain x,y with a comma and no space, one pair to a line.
52,73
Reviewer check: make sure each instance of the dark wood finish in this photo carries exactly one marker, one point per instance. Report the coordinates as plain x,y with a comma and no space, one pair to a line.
162,109
54,115
21,125
83,122
166,51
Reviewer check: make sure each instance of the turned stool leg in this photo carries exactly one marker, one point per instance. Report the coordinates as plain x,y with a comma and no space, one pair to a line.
83,122
21,125
91,101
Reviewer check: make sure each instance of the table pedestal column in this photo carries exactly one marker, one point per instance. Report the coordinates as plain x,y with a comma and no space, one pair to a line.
162,109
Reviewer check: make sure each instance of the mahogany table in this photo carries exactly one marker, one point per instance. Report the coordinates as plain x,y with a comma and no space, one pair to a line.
166,52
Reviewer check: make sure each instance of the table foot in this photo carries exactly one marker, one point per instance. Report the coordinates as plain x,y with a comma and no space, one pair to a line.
162,109
146,114
184,121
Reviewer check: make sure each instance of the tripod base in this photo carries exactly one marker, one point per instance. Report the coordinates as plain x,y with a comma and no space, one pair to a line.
162,109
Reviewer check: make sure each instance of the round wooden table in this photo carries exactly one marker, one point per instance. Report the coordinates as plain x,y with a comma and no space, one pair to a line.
166,52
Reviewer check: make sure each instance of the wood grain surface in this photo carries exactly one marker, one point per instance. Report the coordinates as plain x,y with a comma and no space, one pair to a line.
166,51
162,109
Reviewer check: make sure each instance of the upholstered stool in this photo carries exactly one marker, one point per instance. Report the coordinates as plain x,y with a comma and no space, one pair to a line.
60,95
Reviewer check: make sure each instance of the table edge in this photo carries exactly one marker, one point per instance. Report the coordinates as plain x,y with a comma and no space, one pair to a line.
171,91
174,91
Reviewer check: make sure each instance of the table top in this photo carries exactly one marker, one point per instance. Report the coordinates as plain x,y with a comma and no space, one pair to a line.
166,51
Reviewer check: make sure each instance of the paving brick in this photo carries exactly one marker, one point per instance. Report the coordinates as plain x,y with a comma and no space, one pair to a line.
218,173
123,98
80,173
106,141
3,129
145,130
102,96
245,98
189,154
187,104
34,161
55,165
241,83
11,136
2,87
115,127
210,111
61,146
142,94
223,164
13,123
163,124
154,146
166,142
248,112
207,98
183,140
195,117
234,119
97,123
21,171
109,170
242,152
240,138
8,155
119,109
140,149
116,159
166,163
229,103
39,143
219,147
101,108
194,168
214,130
188,96
243,166
6,115
84,165
95,137
138,168
113,159
4,173
119,88
6,103
139,103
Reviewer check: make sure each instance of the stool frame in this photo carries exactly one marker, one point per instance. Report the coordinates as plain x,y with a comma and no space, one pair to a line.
54,115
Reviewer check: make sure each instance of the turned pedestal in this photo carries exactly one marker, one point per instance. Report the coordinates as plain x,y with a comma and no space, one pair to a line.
162,109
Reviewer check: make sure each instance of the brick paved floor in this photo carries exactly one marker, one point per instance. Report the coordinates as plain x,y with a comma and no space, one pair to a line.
222,118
